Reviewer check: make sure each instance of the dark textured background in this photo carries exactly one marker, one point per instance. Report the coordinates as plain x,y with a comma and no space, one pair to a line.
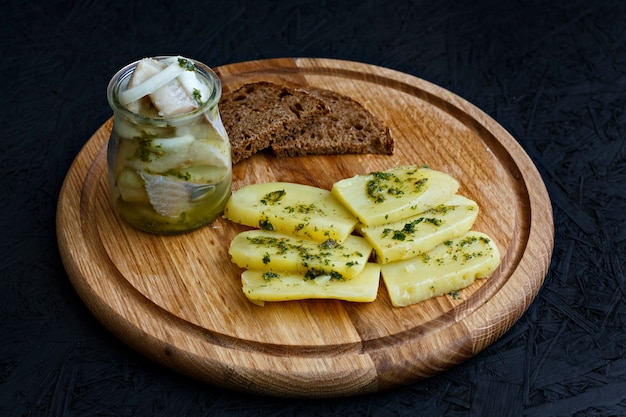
551,72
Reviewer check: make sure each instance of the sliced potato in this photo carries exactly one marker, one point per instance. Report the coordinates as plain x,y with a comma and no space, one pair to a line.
271,251
414,235
289,208
450,266
395,194
261,286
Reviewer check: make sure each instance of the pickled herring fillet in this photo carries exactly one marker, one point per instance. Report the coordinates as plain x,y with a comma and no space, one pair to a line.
189,80
171,100
194,87
151,78
171,197
145,69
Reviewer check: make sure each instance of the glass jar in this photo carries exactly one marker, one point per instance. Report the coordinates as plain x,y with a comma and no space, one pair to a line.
168,156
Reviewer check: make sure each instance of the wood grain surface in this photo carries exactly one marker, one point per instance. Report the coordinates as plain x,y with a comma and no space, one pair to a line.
178,299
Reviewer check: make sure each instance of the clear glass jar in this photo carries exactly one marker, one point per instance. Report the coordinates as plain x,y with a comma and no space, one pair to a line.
168,173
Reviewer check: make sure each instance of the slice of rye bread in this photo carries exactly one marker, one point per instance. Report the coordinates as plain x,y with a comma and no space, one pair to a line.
297,122
349,128
258,114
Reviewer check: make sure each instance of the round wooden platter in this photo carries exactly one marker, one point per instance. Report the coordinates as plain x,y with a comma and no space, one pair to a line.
178,299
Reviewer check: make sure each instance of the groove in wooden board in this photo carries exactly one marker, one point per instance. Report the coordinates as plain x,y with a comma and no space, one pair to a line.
182,294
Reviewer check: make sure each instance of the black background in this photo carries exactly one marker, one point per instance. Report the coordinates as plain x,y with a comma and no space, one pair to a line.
553,73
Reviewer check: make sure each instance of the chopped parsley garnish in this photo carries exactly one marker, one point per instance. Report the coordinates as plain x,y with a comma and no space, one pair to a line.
410,228
468,241
273,197
305,209
269,275
314,273
329,244
145,151
186,64
265,224
186,176
379,186
385,184
420,184
197,95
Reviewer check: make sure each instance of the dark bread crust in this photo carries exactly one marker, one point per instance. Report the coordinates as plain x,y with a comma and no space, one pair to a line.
295,122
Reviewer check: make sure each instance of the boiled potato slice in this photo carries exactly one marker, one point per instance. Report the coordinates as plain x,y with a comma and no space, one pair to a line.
393,195
261,286
271,251
293,209
414,235
450,266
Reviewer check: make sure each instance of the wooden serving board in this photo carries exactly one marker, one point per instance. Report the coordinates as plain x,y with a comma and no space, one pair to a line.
178,299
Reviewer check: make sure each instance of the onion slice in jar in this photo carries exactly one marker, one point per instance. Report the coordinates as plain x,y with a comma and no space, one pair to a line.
152,84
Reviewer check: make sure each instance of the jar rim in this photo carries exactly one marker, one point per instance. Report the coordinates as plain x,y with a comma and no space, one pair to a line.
125,72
